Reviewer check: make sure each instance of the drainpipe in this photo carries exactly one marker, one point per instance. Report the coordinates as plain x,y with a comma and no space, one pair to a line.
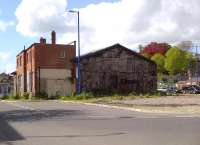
24,67
39,80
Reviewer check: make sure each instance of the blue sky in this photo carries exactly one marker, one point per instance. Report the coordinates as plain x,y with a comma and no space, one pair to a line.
103,23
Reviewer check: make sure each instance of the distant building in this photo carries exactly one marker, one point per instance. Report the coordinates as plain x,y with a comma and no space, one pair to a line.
191,81
46,69
6,84
197,67
192,77
117,68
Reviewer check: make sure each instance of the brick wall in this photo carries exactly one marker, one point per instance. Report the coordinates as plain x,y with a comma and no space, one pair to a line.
43,56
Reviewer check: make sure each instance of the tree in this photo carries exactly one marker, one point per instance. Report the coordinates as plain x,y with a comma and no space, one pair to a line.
176,61
191,64
154,48
160,62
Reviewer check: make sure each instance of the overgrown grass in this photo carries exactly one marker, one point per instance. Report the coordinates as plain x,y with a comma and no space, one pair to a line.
91,97
88,96
16,97
24,97
82,96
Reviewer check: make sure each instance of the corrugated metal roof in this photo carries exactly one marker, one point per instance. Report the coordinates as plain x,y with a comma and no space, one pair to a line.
98,52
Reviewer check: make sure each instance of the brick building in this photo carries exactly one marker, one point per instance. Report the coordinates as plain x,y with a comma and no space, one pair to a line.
46,69
117,68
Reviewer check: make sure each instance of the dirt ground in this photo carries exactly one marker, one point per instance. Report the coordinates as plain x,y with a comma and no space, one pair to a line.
168,104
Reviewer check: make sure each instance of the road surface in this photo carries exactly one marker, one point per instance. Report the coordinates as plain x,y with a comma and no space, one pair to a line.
59,123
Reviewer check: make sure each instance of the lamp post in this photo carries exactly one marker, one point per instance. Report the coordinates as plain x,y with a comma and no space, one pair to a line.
79,76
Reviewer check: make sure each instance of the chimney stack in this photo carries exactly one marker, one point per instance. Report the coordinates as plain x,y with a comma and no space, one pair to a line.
53,37
42,40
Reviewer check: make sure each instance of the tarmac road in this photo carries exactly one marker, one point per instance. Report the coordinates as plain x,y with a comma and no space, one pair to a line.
59,123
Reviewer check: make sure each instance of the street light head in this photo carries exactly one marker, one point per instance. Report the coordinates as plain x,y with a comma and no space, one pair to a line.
73,11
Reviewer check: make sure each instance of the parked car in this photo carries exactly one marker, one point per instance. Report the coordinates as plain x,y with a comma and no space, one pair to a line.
172,90
169,90
163,90
192,89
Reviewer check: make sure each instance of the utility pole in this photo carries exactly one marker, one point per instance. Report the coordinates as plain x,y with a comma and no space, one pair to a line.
197,81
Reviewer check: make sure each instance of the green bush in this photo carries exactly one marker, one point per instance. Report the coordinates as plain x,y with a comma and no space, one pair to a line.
62,97
85,95
132,94
24,97
82,96
5,97
12,97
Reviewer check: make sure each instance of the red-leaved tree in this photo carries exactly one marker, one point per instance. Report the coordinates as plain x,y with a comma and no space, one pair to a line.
155,47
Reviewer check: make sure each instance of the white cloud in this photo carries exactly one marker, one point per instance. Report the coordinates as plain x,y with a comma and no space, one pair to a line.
40,16
4,24
4,56
5,65
8,68
129,22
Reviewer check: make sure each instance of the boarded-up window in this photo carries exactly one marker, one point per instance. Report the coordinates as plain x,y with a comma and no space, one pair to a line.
62,53
20,61
29,81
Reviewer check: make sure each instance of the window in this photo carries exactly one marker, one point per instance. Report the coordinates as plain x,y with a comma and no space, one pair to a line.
62,53
30,56
27,57
29,81
20,61
19,82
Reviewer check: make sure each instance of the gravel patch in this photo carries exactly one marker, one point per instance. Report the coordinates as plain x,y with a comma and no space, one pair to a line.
169,104
171,101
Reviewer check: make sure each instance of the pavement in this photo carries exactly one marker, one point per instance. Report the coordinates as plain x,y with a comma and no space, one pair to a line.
65,123
171,101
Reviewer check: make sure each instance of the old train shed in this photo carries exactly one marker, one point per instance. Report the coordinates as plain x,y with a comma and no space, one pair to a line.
117,68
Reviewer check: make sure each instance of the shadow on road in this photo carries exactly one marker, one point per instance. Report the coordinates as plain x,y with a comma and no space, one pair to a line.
79,136
36,115
8,133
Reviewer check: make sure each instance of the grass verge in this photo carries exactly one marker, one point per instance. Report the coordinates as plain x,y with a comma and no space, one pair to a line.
88,97
101,98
